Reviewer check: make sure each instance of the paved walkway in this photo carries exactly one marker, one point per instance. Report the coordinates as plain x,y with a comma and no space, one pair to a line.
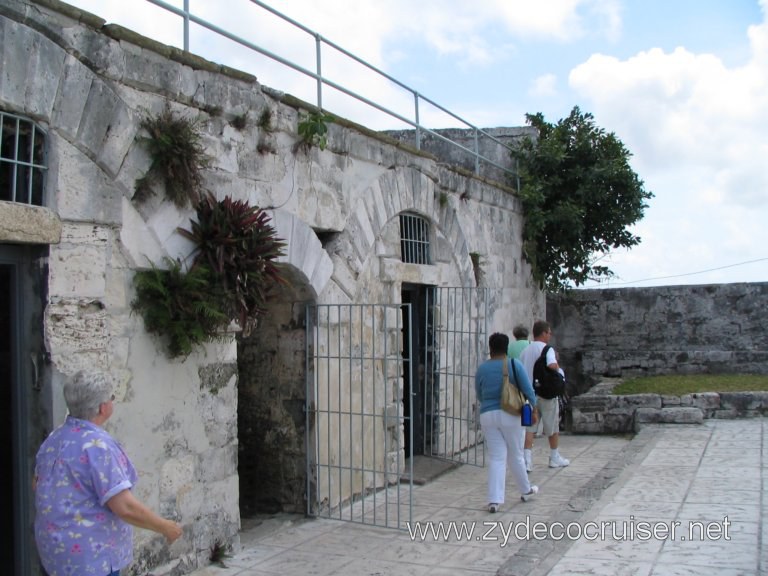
707,479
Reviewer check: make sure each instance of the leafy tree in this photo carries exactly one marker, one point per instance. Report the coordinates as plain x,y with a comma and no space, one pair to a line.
579,195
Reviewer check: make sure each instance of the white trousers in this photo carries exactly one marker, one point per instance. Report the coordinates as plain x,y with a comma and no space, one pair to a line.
504,437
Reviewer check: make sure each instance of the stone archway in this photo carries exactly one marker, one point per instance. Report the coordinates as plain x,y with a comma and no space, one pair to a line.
272,380
271,398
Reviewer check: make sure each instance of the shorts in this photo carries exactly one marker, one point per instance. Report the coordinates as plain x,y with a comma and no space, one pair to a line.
549,415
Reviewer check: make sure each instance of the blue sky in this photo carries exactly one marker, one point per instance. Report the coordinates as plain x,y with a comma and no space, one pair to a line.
683,83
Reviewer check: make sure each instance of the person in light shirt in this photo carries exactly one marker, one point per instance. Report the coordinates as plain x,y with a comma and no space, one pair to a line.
520,343
549,409
85,509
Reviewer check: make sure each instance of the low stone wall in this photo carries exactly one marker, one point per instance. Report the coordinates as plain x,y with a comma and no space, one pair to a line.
630,332
599,411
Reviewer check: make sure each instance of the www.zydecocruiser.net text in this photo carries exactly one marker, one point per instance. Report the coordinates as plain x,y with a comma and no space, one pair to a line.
631,529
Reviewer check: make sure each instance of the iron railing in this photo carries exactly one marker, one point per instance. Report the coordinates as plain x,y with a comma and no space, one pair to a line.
189,18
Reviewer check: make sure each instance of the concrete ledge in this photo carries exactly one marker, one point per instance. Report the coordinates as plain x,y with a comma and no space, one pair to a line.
25,224
600,412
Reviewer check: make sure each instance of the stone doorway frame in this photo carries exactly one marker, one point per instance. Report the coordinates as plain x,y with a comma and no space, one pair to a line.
459,341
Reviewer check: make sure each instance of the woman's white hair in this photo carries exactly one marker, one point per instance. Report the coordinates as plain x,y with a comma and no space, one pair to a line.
85,392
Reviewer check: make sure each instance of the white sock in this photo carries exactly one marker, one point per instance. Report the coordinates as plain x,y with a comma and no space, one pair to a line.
553,453
527,452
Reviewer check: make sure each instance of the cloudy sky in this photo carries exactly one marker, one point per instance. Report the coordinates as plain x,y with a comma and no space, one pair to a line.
683,83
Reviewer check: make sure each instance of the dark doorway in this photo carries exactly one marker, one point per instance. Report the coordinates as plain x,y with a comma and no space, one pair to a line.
418,366
20,343
271,397
6,417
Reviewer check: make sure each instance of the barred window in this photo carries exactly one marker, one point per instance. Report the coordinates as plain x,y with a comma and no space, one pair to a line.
414,239
22,160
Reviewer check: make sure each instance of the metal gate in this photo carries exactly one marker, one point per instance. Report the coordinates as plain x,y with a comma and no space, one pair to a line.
457,341
356,454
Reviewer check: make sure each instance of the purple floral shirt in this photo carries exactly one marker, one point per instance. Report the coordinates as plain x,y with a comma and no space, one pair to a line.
79,468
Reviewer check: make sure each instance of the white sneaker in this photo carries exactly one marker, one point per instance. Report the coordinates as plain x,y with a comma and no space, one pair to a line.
528,462
493,508
534,490
558,461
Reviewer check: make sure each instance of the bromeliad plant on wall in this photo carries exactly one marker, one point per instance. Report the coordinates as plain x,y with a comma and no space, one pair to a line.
233,270
236,241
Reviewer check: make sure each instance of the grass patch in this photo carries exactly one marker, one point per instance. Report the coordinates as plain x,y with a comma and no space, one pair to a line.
677,384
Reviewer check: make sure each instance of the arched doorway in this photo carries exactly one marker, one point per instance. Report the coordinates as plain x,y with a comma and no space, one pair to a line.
271,400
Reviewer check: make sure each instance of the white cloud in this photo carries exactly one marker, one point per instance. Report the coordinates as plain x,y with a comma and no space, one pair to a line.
453,27
544,86
562,20
696,129
687,112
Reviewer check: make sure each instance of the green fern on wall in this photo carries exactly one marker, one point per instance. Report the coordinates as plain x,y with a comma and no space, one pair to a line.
187,308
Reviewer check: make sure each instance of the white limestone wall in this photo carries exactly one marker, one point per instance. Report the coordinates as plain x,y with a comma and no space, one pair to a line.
178,418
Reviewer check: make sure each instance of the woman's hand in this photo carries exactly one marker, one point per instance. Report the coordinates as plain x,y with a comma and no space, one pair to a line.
130,509
172,531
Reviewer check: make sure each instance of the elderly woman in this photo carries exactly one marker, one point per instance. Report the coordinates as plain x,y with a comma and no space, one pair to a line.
503,432
83,480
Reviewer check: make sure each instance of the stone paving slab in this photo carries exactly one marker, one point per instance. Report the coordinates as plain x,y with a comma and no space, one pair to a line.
705,493
662,475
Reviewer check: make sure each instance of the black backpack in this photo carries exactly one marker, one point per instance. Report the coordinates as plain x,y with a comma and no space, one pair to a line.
546,382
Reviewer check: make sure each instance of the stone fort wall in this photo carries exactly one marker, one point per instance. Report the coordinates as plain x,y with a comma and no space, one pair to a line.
619,333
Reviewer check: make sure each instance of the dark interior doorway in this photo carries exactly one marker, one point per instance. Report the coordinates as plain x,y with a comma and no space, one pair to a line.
271,397
418,366
20,346
6,416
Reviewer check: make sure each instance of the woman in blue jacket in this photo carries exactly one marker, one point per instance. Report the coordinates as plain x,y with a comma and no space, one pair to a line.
503,432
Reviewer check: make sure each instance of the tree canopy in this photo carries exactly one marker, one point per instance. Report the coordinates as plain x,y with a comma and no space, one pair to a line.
579,195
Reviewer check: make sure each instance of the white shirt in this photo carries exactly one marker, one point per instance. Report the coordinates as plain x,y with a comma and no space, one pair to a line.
531,353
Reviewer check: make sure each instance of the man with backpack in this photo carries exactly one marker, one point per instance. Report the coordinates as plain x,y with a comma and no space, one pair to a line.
550,387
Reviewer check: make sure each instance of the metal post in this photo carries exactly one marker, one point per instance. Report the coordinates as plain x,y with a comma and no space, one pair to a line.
416,119
477,153
318,46
186,25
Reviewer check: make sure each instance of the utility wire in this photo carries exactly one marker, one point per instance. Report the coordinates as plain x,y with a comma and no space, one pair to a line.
689,273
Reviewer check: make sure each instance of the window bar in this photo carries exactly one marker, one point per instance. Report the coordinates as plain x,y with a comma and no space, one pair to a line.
15,171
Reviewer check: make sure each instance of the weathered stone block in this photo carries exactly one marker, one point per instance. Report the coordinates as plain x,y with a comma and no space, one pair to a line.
44,69
740,401
119,136
83,192
674,415
618,421
706,401
393,415
667,400
586,422
78,271
639,401
728,414
28,224
16,47
590,403
102,104
70,103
